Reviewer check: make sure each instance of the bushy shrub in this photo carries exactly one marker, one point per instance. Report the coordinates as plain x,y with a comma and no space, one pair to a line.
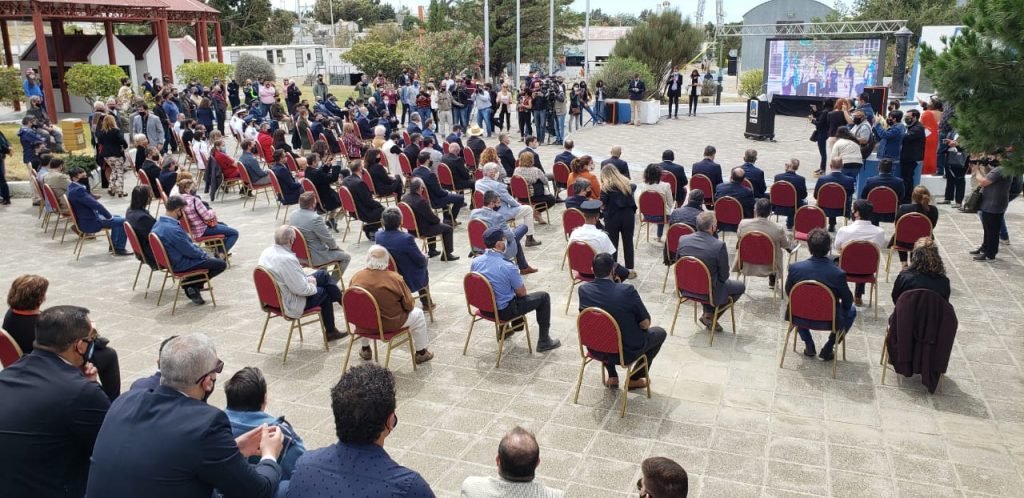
94,82
249,67
618,72
708,88
84,161
751,83
10,85
205,72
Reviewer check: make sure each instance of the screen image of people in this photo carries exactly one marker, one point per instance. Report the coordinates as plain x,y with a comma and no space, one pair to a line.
822,68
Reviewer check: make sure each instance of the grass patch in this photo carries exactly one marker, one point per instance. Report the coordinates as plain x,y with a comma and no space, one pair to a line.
17,170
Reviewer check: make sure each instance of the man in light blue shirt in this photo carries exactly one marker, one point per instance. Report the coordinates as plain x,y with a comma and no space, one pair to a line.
247,399
509,207
510,293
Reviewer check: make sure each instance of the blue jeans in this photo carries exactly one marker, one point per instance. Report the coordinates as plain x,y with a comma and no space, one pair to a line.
424,113
842,323
327,293
661,227
598,111
560,127
593,118
540,124
117,235
483,120
230,234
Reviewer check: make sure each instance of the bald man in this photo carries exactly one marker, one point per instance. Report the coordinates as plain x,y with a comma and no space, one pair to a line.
517,460
620,165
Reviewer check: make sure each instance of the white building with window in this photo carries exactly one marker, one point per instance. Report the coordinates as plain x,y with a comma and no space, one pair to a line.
295,61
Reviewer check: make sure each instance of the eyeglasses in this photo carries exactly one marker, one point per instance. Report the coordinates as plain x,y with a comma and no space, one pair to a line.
217,369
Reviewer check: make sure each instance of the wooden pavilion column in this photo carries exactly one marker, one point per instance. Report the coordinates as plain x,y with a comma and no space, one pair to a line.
164,46
108,33
44,63
9,58
206,41
199,41
216,37
57,31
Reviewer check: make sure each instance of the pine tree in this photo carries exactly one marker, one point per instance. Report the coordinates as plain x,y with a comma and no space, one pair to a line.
662,41
980,74
437,16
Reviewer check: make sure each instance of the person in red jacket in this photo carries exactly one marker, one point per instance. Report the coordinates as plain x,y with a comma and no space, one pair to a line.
266,140
227,164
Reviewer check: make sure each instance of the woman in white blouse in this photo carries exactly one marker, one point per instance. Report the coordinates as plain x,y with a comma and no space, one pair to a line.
537,181
847,147
652,182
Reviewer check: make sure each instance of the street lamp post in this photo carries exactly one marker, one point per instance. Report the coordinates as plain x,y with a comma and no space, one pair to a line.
487,41
551,41
334,28
517,42
586,44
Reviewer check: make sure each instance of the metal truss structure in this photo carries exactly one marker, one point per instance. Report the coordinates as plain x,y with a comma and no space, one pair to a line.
812,29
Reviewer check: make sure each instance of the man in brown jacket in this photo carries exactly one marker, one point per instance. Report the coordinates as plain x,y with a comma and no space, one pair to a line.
397,308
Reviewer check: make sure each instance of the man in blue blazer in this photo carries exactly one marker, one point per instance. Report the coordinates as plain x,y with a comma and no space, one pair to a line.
168,442
566,156
439,197
290,189
819,267
884,178
92,217
848,184
677,171
623,303
53,408
708,167
754,174
184,255
614,160
410,261
799,183
735,189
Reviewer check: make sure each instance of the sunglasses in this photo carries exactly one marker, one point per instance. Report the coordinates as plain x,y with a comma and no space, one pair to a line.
217,369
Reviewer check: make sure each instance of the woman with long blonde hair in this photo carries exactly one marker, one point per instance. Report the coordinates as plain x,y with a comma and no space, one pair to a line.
619,212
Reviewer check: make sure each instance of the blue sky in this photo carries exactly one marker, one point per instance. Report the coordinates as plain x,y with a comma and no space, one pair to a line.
734,9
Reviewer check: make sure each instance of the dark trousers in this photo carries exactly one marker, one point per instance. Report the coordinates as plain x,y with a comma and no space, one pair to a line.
655,338
456,201
940,162
520,232
327,293
991,223
504,116
852,170
534,301
733,288
956,183
822,149
109,370
5,192
215,267
907,171
673,100
693,104
842,323
445,231
622,223
525,126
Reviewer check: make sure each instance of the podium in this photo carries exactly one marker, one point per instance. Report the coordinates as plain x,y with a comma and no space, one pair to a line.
760,119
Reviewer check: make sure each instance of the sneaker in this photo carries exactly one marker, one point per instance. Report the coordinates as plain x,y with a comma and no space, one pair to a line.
424,357
548,344
366,353
194,295
531,242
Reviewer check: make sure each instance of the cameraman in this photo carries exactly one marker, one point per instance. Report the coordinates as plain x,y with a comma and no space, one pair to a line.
995,196
561,108
540,109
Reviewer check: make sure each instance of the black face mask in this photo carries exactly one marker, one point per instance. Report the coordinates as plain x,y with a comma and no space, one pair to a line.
909,121
858,120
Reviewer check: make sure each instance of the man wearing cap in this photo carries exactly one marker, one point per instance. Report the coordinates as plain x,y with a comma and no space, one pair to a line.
509,291
597,238
475,143
490,215
510,208
623,302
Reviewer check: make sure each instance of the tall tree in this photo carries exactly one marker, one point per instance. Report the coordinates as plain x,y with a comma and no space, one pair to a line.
243,22
461,51
437,16
363,12
279,30
373,57
917,12
664,41
980,74
535,16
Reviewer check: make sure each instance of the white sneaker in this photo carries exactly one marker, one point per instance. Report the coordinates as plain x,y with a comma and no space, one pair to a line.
1004,242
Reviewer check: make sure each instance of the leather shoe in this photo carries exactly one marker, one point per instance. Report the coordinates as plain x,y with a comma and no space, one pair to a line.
336,334
366,353
121,252
194,295
826,354
425,357
433,254
637,384
531,242
548,344
706,322
982,257
528,270
809,351
450,257
857,301
975,252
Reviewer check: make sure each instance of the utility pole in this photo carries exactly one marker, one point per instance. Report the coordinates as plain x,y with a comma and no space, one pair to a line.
517,43
334,27
551,41
487,42
586,44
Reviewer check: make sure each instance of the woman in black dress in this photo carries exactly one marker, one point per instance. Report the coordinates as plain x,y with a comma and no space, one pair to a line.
694,92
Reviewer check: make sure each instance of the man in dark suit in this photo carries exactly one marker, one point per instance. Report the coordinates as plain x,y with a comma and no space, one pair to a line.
754,174
457,164
53,407
566,156
622,302
912,152
531,148
91,216
704,246
439,197
708,167
735,189
410,261
799,183
505,154
368,210
168,442
848,184
412,149
819,267
688,213
456,136
620,165
290,189
883,179
428,224
677,171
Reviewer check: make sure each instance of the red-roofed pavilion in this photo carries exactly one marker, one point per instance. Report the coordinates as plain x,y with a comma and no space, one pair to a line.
157,13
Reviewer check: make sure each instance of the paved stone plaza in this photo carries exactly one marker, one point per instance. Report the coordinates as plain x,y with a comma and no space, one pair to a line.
739,424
